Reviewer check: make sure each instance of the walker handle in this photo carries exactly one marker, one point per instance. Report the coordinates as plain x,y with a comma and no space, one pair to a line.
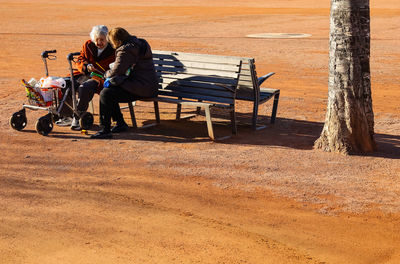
45,54
70,56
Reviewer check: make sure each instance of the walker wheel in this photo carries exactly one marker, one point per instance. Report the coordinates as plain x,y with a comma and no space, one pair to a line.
86,121
44,125
56,117
18,120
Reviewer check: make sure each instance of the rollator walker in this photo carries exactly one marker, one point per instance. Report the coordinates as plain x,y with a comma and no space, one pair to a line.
51,95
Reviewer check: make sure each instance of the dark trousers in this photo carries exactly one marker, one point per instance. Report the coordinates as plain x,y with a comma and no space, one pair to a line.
109,105
86,89
86,92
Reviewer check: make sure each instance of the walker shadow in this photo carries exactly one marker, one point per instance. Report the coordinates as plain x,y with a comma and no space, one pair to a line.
56,134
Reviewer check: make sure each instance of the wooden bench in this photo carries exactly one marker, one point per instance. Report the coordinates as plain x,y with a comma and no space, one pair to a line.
203,81
249,89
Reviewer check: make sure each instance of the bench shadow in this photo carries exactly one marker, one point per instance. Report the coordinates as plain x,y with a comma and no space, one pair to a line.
178,131
388,146
301,134
286,133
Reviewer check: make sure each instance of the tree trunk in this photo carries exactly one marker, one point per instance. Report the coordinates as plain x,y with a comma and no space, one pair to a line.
349,121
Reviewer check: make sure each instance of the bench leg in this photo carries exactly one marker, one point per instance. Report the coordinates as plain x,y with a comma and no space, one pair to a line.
178,110
209,122
148,125
132,112
255,115
198,109
274,108
92,106
233,122
156,112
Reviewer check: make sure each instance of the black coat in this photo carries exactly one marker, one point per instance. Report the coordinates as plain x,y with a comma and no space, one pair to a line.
134,55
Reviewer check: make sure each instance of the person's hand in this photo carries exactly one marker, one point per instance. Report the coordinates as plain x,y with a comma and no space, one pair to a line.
107,83
90,67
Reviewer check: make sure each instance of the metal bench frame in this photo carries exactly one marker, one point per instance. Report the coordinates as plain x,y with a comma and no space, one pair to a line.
250,89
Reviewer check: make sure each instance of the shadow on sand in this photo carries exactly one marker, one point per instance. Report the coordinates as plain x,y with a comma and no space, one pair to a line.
286,133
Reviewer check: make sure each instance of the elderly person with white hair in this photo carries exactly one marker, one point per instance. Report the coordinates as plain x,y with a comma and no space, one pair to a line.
132,77
94,60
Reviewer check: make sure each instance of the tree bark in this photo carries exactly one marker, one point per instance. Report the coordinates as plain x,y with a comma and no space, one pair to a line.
349,121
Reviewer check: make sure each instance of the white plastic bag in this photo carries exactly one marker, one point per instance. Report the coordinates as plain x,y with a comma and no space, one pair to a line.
52,82
47,86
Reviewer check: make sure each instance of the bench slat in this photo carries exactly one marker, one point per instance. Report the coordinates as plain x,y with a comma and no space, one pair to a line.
197,78
246,79
211,86
193,90
263,96
196,96
186,102
196,71
190,64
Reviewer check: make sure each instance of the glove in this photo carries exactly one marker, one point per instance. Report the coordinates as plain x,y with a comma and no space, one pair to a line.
107,83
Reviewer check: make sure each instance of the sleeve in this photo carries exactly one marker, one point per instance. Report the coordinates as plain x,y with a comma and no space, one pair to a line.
125,58
82,60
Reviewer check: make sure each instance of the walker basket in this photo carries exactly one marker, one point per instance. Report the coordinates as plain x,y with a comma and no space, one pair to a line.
34,96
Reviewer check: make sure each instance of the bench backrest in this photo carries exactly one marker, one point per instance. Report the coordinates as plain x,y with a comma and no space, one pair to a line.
197,76
248,84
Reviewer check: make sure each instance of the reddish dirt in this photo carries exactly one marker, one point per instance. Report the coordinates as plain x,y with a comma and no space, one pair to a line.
167,194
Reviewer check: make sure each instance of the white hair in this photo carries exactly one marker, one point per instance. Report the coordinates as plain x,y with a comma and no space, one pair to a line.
97,31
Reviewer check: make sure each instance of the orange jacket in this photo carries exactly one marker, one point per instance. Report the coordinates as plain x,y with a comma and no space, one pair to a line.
89,56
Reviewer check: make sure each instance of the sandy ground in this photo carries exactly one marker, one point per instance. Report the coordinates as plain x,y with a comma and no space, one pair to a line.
167,194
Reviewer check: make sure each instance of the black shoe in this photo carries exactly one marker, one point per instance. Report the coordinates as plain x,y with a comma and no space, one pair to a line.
102,134
120,128
76,128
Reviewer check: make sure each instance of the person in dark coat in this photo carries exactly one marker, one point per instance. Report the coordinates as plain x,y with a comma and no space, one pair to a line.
130,78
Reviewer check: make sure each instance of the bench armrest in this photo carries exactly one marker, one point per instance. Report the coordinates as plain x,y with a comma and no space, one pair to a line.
265,77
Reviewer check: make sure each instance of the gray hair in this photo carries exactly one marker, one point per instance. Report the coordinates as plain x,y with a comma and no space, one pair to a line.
97,31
